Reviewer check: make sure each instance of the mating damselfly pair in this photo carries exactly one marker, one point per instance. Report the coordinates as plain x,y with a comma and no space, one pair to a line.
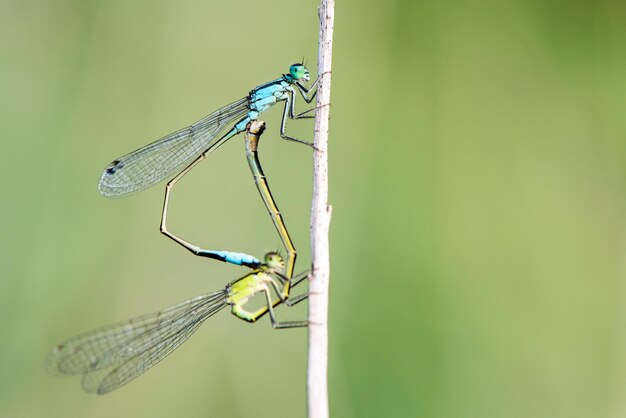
111,356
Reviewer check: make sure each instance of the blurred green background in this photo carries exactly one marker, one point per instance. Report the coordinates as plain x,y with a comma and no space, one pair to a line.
478,163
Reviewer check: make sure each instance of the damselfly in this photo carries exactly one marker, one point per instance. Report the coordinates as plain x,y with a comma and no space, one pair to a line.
183,149
111,356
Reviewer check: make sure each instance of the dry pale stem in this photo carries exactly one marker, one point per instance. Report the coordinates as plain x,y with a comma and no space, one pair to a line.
317,374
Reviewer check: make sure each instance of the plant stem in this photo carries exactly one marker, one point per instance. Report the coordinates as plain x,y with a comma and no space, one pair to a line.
317,373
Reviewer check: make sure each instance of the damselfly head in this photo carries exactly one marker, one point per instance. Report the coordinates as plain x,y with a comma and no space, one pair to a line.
299,72
275,261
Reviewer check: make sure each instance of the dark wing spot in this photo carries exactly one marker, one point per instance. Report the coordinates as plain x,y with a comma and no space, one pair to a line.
114,166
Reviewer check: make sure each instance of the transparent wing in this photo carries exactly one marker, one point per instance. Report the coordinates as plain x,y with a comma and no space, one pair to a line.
111,356
166,156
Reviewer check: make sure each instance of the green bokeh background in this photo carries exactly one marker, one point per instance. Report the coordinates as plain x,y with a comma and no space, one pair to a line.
478,163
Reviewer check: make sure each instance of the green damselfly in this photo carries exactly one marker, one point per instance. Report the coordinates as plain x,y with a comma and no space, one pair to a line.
113,355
